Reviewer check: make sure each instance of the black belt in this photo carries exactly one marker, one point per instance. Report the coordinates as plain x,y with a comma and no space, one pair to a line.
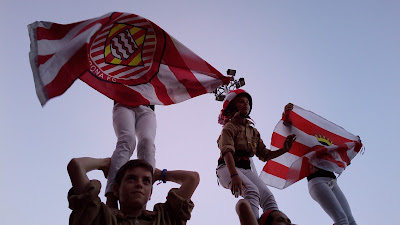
240,162
321,173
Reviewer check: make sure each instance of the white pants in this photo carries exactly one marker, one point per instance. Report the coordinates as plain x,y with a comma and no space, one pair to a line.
257,192
327,193
129,123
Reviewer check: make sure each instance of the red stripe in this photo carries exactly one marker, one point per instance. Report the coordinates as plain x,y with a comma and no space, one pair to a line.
322,153
55,32
215,73
276,169
94,54
126,68
150,40
68,73
98,45
101,60
181,71
119,92
102,21
312,129
147,47
297,149
139,34
144,55
161,91
304,171
101,37
43,59
342,150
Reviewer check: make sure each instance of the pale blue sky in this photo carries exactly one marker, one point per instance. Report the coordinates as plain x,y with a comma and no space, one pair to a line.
339,59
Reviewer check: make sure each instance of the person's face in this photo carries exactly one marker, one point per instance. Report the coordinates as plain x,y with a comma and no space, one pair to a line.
136,187
279,218
242,105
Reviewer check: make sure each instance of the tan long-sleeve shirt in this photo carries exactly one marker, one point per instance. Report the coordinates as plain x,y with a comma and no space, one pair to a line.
239,135
87,209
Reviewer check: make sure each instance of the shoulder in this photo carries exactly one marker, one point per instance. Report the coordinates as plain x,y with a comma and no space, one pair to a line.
175,208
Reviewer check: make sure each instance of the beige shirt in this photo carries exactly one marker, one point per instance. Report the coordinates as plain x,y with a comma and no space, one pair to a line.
87,209
239,135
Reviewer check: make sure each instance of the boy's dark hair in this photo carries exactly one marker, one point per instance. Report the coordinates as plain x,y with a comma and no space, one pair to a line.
132,164
269,220
266,218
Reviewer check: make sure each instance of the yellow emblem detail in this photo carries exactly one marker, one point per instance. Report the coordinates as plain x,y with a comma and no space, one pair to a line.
324,140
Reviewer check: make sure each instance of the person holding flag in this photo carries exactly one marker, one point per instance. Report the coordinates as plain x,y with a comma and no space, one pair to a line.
238,142
129,123
323,188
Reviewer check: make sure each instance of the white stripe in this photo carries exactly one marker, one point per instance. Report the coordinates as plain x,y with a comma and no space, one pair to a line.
301,137
189,57
323,123
208,82
49,70
176,91
48,47
148,92
351,153
272,180
286,159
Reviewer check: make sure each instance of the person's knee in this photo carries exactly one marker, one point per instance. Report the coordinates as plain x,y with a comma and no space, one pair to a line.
126,142
146,141
242,205
252,192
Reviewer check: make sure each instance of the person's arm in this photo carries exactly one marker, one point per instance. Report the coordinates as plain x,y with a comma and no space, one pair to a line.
187,179
237,184
246,215
78,167
287,145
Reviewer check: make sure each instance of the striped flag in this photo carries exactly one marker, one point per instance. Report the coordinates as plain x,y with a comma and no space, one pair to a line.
319,143
124,56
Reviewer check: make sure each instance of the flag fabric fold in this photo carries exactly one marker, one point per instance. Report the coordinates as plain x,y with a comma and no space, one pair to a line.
123,56
319,143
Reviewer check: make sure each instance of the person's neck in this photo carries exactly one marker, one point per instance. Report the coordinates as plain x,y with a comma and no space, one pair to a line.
133,211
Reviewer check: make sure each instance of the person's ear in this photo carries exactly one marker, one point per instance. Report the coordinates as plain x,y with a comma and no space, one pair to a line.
116,190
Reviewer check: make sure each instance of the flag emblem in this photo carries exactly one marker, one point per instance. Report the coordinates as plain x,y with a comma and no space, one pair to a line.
124,45
323,140
127,51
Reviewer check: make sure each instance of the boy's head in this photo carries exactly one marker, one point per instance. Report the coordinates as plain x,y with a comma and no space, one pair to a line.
274,217
134,184
132,164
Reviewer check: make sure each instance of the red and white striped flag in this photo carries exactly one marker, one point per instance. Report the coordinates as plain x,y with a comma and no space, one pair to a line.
319,142
124,56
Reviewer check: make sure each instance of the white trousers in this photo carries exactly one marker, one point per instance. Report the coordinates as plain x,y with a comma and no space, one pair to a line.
327,193
257,192
129,123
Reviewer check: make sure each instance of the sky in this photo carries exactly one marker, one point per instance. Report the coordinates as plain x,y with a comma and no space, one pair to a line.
339,59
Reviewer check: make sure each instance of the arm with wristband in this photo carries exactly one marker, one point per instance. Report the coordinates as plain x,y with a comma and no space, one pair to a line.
187,179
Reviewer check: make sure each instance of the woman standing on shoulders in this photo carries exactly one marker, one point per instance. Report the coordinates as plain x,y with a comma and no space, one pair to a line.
238,142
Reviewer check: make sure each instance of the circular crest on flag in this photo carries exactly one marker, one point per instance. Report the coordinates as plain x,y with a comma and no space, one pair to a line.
127,50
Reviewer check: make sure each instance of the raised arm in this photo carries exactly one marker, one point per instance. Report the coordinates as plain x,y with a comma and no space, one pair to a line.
78,167
187,179
287,145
